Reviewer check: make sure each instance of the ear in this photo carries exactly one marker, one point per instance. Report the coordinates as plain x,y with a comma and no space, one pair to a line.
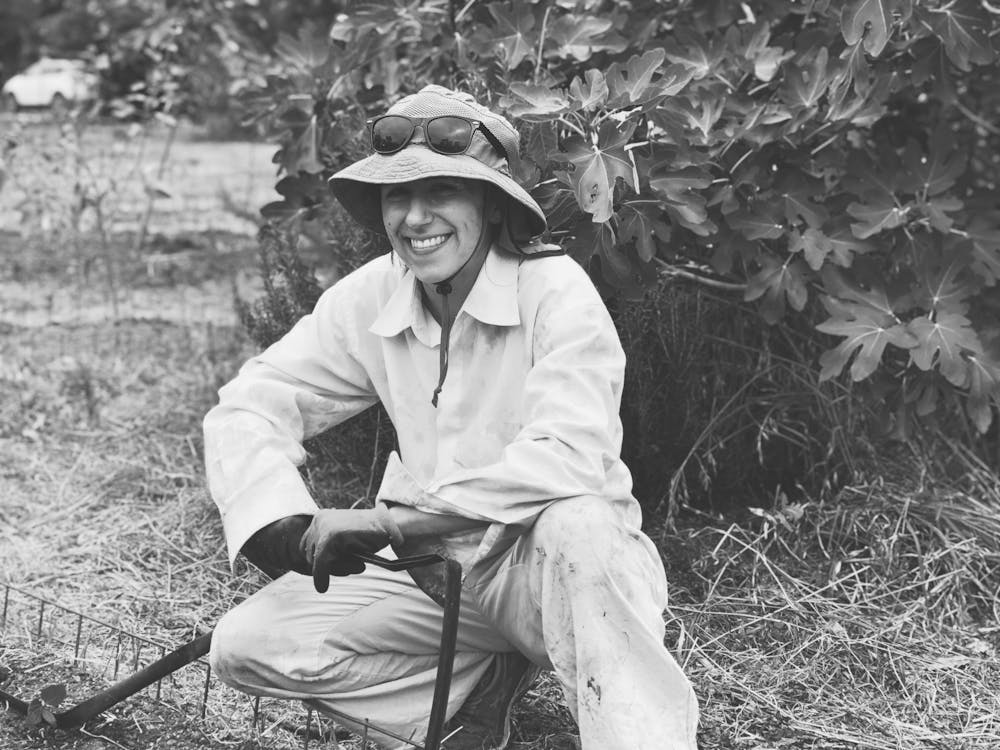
495,205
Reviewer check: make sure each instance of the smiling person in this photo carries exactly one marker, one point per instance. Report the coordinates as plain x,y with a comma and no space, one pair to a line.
501,371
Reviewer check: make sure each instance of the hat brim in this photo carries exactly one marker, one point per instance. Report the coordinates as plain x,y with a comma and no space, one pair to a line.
357,186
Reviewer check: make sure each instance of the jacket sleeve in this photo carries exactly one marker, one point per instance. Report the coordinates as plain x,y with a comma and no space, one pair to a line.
570,440
305,383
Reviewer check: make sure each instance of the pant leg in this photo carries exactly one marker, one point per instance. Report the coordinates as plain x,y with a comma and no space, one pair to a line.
584,593
368,647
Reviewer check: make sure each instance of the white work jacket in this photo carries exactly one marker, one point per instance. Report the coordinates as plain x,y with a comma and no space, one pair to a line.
528,414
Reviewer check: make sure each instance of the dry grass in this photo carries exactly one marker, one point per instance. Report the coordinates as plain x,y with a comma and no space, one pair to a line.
105,513
869,620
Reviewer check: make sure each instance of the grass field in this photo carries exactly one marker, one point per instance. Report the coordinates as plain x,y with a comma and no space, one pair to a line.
49,167
866,620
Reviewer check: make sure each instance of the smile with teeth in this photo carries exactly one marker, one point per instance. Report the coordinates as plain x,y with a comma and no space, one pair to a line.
428,243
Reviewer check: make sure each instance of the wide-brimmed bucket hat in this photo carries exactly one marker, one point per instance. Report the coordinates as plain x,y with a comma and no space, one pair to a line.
357,186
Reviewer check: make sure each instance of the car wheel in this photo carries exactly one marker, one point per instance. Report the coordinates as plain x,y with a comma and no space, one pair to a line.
59,106
9,103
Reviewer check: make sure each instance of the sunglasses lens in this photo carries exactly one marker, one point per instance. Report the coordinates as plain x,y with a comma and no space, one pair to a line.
449,135
389,134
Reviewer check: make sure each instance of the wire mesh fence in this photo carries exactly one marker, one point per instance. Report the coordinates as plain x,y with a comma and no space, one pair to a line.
51,633
103,649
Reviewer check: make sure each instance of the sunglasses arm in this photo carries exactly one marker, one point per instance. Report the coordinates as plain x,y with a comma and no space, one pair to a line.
494,141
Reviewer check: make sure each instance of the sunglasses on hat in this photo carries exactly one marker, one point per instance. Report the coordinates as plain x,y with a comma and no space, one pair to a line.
446,134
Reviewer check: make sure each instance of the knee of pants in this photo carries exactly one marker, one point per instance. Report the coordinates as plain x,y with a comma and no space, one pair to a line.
588,537
250,650
233,643
578,529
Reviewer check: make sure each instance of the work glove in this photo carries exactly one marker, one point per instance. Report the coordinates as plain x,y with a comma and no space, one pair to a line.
276,548
336,535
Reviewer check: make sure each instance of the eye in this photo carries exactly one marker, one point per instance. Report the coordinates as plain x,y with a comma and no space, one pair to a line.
444,187
395,193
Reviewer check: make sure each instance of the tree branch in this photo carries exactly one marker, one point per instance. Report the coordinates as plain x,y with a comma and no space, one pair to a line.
977,119
464,10
541,43
676,272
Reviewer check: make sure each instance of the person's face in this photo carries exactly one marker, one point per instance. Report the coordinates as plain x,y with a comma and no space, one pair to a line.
434,224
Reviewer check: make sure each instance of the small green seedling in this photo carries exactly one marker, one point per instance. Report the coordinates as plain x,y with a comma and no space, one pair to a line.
42,709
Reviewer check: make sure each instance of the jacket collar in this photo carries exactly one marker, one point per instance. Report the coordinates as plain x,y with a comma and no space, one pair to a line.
492,300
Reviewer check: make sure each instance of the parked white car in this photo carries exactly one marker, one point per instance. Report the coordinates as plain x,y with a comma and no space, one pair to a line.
50,82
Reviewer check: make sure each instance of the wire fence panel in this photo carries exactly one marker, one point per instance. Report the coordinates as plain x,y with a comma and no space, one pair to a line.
51,633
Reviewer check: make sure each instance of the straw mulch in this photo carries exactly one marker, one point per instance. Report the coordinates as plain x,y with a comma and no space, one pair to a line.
866,621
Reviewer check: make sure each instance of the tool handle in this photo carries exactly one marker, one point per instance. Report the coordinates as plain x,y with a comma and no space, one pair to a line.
446,657
402,563
132,684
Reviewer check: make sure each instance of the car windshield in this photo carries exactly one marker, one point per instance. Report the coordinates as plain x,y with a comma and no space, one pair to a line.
53,66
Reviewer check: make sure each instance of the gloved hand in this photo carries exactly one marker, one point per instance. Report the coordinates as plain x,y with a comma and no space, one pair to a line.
276,548
335,535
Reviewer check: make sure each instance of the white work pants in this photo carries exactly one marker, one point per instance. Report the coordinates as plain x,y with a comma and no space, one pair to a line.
580,593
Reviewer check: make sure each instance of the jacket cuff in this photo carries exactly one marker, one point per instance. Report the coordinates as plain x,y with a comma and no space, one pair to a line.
389,525
249,516
399,486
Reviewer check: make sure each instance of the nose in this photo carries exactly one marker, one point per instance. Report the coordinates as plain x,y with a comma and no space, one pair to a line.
417,213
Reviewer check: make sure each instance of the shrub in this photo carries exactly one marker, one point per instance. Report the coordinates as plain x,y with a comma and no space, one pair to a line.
828,165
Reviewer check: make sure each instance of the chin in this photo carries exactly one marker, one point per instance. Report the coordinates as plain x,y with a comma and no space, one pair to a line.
431,278
433,270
